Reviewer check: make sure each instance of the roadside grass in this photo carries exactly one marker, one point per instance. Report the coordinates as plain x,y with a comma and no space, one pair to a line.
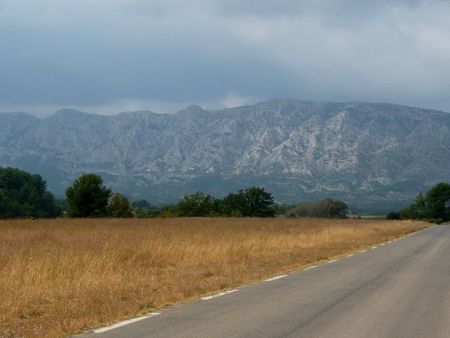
61,276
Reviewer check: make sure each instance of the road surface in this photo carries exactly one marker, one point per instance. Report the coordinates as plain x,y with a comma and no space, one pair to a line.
399,289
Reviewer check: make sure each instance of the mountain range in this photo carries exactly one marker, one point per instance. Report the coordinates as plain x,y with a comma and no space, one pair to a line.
374,156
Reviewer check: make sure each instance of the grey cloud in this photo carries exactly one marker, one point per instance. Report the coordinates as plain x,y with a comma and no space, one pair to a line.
89,54
271,8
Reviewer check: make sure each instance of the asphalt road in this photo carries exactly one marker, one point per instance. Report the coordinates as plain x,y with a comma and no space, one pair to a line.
400,289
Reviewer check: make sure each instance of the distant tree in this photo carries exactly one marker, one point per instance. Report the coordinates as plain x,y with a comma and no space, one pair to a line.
417,210
233,204
326,208
120,207
144,209
141,204
197,204
258,203
335,208
87,197
168,211
25,195
282,209
62,205
393,215
8,207
433,206
251,202
438,199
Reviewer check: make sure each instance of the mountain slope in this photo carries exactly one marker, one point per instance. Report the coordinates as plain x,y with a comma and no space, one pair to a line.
297,149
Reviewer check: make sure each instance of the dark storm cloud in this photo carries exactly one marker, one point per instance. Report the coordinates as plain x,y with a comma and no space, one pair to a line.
103,53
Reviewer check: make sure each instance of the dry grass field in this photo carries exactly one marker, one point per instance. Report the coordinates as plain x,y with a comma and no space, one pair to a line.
61,276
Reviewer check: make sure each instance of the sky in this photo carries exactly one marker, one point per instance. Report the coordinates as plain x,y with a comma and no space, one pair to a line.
109,56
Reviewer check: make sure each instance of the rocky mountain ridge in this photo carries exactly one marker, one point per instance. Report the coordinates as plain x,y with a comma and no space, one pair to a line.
377,153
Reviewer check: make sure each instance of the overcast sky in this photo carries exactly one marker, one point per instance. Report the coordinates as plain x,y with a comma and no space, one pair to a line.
108,56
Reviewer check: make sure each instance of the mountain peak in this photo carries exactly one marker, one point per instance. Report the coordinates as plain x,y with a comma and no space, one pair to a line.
191,109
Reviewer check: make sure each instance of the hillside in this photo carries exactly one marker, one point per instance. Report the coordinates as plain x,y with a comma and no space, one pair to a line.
380,153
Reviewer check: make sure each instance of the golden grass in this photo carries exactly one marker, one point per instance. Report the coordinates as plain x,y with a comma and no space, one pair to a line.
61,276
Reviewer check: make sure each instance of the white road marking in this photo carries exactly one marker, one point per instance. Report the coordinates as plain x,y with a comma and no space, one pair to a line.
382,244
333,260
275,278
364,251
311,267
219,294
350,255
374,247
126,322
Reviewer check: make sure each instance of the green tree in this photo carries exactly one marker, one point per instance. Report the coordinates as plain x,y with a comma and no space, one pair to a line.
258,203
25,195
120,207
87,197
335,208
393,215
438,200
168,211
417,210
144,209
251,202
197,204
326,208
8,209
434,205
233,204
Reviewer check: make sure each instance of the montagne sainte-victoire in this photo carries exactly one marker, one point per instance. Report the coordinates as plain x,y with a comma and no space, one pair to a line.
374,156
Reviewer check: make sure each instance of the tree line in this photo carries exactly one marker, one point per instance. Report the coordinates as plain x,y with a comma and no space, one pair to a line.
25,195
326,208
87,197
433,206
250,202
